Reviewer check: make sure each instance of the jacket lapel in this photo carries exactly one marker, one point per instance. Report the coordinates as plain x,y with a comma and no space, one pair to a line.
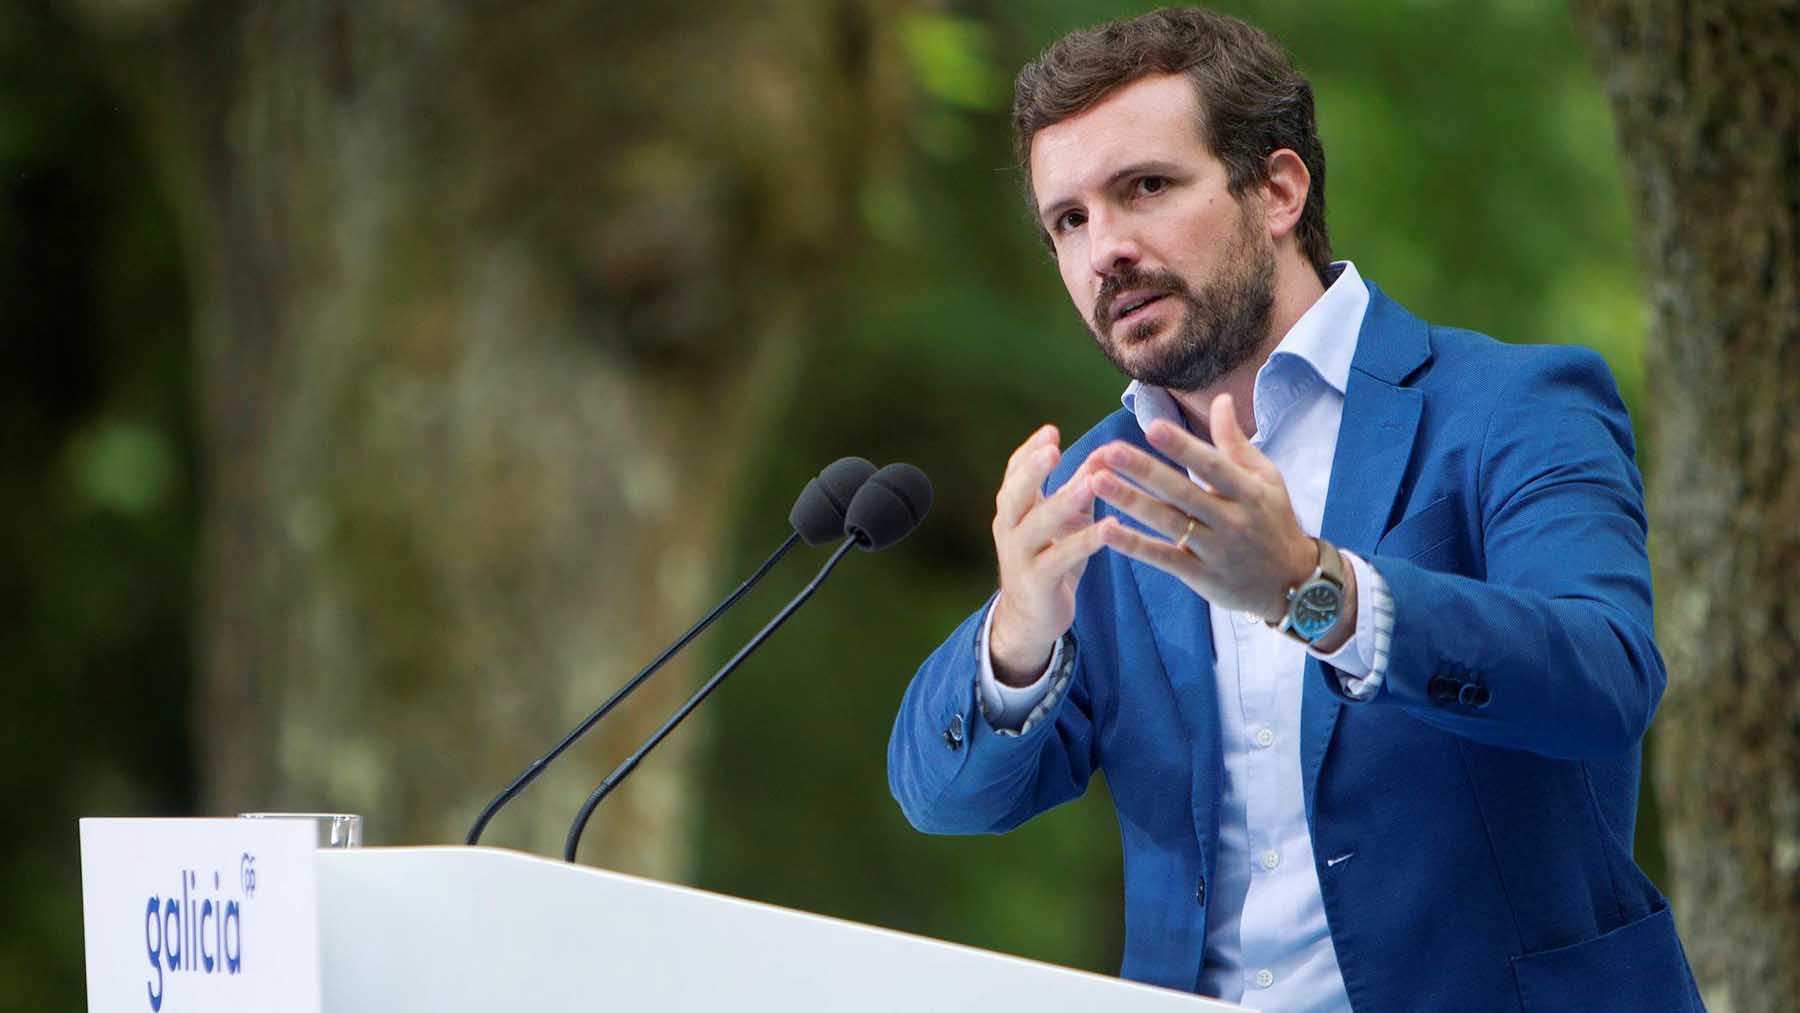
1375,440
1181,628
1182,625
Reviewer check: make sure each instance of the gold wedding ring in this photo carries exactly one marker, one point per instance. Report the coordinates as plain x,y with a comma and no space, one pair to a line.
1181,543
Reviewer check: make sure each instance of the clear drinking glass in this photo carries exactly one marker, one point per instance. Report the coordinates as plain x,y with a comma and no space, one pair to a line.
335,830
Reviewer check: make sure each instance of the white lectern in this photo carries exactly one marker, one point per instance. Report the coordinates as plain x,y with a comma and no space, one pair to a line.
466,929
198,916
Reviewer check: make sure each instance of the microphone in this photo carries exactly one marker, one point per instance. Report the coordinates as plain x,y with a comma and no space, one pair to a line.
893,502
817,517
818,513
886,509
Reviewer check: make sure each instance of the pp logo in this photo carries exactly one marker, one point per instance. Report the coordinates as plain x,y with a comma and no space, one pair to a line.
247,874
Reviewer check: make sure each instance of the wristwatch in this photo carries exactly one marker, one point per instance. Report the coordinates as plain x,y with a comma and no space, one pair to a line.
1314,605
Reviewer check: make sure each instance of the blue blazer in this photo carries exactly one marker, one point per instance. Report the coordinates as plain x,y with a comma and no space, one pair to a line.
1489,792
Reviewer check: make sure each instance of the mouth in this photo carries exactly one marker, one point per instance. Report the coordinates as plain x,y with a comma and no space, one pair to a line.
1128,308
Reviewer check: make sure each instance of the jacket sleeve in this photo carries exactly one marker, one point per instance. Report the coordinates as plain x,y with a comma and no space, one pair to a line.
1551,652
952,773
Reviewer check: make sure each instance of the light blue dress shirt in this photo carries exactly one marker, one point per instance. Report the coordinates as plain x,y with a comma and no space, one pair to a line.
1267,941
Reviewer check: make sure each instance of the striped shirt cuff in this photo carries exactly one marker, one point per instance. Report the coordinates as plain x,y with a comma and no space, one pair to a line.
1361,662
1014,710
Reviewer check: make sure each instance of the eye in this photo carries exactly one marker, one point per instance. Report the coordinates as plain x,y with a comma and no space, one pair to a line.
1068,220
1149,186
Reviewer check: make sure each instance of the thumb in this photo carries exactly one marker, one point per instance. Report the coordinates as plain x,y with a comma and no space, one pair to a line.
1225,432
1231,440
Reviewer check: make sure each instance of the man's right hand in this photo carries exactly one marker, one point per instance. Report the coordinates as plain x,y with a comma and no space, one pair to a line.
1043,544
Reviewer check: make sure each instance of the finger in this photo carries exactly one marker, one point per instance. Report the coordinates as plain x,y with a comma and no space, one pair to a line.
1068,553
1057,515
1024,484
1045,433
1152,552
1230,438
1206,461
1170,485
1223,424
1153,513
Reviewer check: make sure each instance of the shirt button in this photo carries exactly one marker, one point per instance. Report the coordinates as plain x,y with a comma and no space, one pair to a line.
1270,859
1265,978
1265,737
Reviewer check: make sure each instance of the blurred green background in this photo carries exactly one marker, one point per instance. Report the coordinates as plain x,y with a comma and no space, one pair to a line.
1472,174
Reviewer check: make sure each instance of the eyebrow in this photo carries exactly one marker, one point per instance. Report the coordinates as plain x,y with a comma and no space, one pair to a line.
1154,167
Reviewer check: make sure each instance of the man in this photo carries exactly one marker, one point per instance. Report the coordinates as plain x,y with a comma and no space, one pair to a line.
1353,611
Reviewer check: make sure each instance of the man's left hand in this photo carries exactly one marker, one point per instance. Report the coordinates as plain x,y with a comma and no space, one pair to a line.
1243,548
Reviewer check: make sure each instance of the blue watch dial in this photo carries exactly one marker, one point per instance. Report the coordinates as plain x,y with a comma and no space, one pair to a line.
1316,610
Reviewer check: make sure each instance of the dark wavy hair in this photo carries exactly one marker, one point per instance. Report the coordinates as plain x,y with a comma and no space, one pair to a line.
1252,100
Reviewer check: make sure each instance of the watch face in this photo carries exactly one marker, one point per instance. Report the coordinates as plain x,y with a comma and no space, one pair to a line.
1316,609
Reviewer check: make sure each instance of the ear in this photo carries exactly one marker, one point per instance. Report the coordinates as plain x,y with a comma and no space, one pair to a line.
1284,192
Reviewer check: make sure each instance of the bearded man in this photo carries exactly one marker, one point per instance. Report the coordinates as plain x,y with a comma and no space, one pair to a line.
1352,610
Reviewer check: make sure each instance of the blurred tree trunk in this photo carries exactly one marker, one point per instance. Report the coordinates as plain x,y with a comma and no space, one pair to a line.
1707,101
493,300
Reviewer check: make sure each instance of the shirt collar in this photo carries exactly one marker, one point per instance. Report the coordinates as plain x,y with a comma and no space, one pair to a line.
1324,338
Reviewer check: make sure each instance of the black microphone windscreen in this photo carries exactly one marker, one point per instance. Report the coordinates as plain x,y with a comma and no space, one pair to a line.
889,506
840,480
818,513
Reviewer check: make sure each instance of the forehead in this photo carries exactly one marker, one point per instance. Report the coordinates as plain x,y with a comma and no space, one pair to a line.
1153,118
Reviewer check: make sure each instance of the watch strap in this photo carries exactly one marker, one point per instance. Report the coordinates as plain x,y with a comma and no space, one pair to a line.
1330,568
1331,564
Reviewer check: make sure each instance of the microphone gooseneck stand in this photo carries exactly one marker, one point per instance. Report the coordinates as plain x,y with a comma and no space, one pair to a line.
538,765
631,762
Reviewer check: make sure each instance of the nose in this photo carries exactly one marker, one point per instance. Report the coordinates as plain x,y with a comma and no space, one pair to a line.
1112,247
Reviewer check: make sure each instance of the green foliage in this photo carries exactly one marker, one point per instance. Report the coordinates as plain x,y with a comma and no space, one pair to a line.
96,505
123,466
948,57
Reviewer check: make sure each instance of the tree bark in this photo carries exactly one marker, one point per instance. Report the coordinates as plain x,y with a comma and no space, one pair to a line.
1706,96
493,299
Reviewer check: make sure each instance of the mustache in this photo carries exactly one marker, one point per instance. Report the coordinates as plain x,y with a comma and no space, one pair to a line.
1132,279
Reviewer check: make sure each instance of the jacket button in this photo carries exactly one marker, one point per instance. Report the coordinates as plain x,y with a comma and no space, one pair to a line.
953,735
1200,892
1466,695
1482,696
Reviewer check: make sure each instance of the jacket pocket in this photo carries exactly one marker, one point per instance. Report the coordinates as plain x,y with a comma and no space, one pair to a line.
1638,967
1424,531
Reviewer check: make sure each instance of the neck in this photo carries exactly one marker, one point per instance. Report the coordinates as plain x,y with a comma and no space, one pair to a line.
1297,288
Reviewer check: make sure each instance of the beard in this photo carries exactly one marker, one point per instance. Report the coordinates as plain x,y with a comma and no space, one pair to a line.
1223,326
